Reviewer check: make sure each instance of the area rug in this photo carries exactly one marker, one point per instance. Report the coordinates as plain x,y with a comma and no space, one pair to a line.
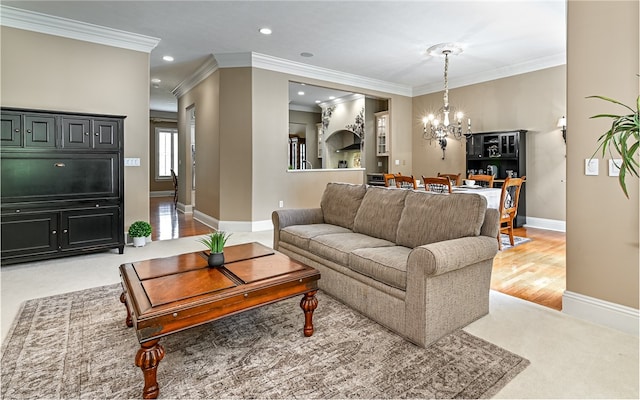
517,240
76,346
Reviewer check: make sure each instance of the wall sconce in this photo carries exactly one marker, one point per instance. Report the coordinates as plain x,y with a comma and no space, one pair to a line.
562,123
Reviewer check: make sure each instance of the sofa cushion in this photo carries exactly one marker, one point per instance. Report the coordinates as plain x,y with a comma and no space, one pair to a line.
384,264
379,212
433,217
337,246
299,235
340,203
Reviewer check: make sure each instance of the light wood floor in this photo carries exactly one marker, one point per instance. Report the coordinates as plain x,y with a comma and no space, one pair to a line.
533,271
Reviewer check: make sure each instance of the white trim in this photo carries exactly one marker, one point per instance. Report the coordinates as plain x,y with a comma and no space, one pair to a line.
207,68
161,193
549,224
184,208
616,316
232,226
68,28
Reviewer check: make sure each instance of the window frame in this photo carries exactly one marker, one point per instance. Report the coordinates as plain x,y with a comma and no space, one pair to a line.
174,152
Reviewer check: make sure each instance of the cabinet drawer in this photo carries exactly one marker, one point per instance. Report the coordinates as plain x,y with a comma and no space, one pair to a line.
59,177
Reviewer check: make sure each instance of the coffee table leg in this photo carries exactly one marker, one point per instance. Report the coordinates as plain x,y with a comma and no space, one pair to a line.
308,305
123,300
148,358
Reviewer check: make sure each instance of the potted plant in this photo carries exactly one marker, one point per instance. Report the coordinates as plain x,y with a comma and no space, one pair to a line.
622,138
139,231
215,242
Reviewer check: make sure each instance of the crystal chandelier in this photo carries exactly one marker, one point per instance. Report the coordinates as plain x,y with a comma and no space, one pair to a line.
439,127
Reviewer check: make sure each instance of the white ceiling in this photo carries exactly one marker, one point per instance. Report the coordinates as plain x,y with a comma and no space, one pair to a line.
381,41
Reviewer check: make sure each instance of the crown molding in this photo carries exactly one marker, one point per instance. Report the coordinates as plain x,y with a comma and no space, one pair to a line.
309,71
346,99
68,28
497,73
207,68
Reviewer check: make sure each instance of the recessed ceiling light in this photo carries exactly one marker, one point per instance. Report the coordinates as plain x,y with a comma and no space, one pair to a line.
156,80
317,101
332,97
301,93
167,58
156,86
306,54
265,31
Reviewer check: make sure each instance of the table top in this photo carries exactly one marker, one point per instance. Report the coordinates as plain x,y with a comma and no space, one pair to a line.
491,194
174,293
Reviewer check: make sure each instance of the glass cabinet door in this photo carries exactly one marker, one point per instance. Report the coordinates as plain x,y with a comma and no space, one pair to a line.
382,133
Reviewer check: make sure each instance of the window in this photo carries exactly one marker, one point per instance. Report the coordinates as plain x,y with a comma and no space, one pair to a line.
166,152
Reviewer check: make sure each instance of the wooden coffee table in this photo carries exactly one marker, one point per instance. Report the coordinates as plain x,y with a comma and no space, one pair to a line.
172,294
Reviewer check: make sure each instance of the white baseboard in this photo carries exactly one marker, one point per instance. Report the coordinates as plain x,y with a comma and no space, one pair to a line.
616,316
161,193
232,226
549,224
184,208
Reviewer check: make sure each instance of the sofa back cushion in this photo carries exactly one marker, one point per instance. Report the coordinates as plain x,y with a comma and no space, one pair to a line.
433,217
379,213
340,203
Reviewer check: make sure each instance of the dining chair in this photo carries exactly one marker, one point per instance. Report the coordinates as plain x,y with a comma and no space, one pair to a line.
389,179
509,206
456,179
175,187
486,180
405,182
438,184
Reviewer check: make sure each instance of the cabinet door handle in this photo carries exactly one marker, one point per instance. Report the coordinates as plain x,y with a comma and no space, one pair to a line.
97,134
59,165
86,133
65,231
28,130
17,130
53,232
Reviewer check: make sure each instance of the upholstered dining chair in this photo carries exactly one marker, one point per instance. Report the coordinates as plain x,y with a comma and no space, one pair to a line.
405,182
509,206
456,179
439,184
389,179
175,187
484,180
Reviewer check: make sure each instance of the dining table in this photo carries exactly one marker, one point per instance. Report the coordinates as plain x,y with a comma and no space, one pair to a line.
492,194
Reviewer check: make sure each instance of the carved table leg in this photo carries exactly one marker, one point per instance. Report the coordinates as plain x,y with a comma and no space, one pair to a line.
123,300
308,305
147,359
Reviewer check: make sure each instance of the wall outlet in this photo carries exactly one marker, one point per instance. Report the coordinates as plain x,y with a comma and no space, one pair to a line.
397,162
591,166
614,166
281,203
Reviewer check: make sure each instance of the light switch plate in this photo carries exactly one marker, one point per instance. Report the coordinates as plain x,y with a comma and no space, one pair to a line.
591,166
131,162
614,166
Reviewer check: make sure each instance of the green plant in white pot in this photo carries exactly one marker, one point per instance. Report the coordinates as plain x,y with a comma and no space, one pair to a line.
215,242
622,139
139,231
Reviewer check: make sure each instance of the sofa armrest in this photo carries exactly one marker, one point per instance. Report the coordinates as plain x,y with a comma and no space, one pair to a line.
442,257
491,224
294,216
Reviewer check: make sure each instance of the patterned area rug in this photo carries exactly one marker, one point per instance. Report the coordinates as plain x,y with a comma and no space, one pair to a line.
76,345
506,244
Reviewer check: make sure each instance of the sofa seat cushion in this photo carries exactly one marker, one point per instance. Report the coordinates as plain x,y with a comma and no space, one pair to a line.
337,246
380,212
340,203
384,264
434,217
299,235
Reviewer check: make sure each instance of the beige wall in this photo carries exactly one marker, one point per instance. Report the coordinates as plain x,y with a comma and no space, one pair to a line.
602,224
532,101
54,73
205,99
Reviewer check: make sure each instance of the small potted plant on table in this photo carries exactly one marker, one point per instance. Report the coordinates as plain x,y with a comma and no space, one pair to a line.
215,242
139,231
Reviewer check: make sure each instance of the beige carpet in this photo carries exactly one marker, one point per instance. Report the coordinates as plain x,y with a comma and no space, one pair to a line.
76,345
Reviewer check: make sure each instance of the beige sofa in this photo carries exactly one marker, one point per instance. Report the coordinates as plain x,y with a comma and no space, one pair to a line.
418,263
